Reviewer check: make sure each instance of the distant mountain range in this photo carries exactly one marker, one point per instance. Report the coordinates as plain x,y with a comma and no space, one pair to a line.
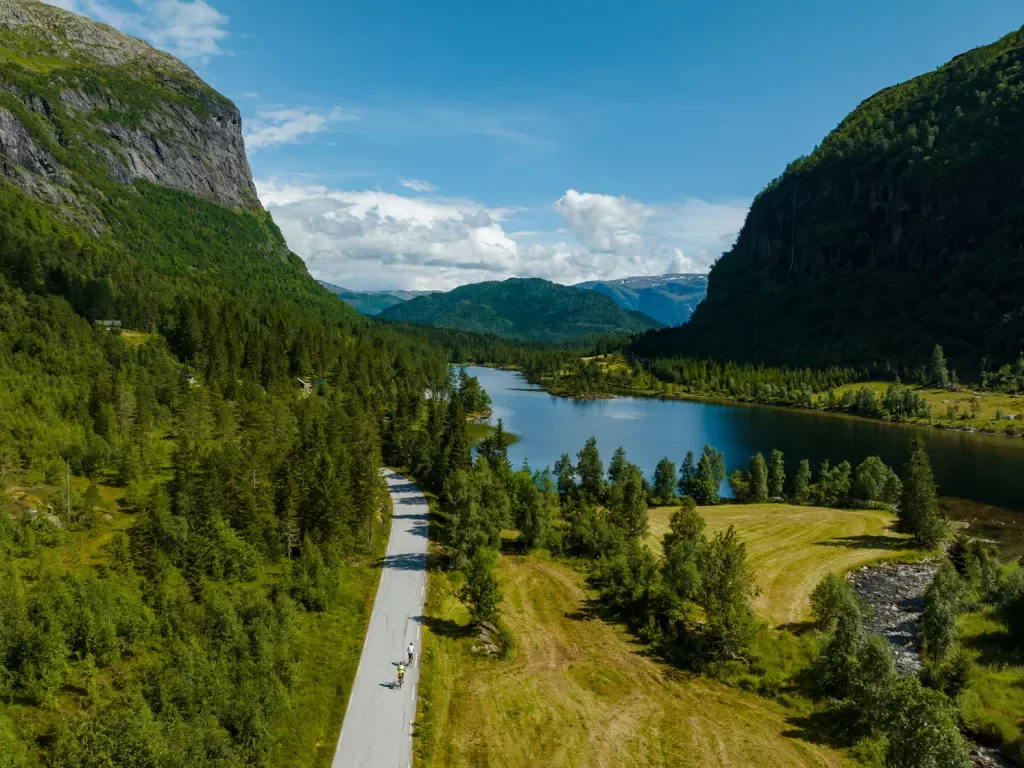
372,302
669,299
531,309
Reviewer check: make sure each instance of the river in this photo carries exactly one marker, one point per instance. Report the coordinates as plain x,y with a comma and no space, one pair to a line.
982,468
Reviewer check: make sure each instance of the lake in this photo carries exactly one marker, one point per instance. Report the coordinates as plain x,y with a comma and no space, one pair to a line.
982,468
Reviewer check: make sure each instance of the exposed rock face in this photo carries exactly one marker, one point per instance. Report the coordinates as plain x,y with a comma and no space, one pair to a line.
150,116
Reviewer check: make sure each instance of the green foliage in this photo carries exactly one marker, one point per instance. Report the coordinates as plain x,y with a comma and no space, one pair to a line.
920,179
776,475
877,483
481,593
590,471
758,480
943,601
702,482
919,513
530,309
663,490
801,482
829,600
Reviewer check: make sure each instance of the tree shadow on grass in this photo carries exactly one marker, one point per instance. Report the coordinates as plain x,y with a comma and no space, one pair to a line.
867,541
824,727
447,627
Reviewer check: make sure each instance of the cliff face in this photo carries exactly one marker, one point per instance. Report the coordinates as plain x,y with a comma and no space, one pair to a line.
903,229
77,96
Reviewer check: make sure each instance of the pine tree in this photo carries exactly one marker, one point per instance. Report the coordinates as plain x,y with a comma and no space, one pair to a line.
565,472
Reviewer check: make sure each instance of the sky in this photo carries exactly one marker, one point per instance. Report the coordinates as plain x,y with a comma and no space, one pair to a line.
425,145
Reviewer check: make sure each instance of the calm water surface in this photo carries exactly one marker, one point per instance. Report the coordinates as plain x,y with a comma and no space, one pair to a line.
978,467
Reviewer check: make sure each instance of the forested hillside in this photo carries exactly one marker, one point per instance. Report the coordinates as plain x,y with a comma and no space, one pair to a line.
904,229
531,309
190,497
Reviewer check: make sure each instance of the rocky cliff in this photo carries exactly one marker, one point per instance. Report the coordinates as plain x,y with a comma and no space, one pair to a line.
903,229
77,96
125,190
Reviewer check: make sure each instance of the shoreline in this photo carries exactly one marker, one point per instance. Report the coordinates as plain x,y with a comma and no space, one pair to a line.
726,400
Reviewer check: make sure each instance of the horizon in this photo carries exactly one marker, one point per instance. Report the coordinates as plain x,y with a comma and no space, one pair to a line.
406,147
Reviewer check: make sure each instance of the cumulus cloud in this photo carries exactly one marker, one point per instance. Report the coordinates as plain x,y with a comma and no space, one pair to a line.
190,29
417,185
372,239
288,126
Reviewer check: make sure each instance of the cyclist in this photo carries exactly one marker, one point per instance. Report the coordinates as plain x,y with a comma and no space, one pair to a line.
411,650
401,674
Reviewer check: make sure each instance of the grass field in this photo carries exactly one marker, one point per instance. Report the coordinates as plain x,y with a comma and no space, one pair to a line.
790,548
578,691
993,704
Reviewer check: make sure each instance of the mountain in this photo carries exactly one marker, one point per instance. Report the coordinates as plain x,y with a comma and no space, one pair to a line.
531,309
669,299
372,302
125,189
902,230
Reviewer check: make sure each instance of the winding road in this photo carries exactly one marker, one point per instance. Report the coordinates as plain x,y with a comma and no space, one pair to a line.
377,732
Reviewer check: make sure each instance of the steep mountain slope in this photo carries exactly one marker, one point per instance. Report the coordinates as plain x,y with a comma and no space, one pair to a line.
522,308
124,186
372,302
669,299
903,229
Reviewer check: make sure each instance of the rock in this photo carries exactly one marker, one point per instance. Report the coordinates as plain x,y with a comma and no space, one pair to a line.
178,132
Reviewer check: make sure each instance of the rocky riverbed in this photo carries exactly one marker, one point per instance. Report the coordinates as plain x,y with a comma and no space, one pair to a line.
895,592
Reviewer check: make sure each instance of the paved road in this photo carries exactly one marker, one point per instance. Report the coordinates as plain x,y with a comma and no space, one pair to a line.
377,732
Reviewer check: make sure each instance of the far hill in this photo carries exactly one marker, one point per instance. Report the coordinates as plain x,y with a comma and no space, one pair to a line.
669,299
372,302
902,230
531,308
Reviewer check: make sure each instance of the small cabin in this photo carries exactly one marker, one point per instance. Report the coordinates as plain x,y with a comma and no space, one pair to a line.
191,380
306,386
109,325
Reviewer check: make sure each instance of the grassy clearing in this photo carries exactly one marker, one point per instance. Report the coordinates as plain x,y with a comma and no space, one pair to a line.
579,692
993,703
790,548
478,430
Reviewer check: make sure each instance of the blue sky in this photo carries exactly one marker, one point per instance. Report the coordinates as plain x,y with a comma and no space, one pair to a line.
426,145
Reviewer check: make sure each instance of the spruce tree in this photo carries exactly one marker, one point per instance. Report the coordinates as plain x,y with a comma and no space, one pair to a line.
919,513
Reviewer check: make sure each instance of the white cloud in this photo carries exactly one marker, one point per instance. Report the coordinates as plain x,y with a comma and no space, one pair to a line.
603,222
190,29
288,126
417,185
370,239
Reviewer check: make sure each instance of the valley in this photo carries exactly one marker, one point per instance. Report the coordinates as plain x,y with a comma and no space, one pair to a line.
675,519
